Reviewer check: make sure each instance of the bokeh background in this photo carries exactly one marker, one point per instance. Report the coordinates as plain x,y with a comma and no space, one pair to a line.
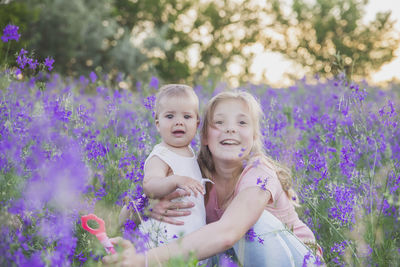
238,41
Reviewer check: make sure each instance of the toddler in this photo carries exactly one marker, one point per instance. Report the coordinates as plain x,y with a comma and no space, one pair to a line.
172,164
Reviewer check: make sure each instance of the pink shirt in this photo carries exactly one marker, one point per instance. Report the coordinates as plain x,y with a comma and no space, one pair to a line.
279,205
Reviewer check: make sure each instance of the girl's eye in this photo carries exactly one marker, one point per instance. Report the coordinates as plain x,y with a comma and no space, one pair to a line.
218,122
169,116
242,122
187,117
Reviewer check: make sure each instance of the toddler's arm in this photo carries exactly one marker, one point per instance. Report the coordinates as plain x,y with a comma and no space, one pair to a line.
157,183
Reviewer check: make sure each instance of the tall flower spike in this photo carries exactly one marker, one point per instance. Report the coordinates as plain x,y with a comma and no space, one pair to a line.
48,62
10,32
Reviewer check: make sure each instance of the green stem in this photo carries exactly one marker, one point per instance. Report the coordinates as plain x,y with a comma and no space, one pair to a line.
8,48
383,199
334,228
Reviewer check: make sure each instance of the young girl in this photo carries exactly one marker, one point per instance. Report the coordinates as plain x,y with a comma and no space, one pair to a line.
240,198
172,164
257,169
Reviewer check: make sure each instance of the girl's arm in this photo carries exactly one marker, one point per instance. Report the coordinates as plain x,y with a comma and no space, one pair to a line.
235,222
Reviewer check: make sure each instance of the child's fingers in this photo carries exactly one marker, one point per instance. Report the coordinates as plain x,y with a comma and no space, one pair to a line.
181,206
199,188
121,242
170,220
177,194
110,260
116,240
194,190
177,213
187,189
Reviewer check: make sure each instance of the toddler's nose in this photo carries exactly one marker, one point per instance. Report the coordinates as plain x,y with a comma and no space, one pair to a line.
230,130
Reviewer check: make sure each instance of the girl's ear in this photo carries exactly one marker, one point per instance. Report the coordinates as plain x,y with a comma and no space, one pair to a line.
158,125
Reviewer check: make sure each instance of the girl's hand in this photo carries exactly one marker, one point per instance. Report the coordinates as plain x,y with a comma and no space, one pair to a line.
189,185
165,209
128,257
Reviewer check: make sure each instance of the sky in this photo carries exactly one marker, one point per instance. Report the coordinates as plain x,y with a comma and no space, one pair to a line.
276,75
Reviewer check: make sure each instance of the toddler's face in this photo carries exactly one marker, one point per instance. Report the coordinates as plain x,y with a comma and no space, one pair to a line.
177,120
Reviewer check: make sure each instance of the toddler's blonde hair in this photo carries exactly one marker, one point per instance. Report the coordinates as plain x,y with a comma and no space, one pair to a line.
205,159
175,90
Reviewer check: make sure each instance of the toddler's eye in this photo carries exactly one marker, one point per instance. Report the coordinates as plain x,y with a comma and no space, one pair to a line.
187,117
242,122
218,122
169,116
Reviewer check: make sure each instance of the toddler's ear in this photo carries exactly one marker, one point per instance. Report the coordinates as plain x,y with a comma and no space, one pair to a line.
158,125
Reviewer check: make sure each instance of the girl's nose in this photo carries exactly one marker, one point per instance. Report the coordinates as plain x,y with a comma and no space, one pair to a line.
178,122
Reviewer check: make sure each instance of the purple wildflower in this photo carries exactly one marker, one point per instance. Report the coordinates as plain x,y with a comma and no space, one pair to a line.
18,71
154,82
344,208
22,59
33,63
338,249
241,153
250,235
262,183
149,102
10,32
48,62
226,261
93,77
306,259
129,225
81,257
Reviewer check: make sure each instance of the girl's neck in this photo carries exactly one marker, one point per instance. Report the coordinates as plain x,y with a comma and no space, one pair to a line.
225,178
227,173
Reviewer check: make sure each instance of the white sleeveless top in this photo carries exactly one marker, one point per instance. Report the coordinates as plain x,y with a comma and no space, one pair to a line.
160,232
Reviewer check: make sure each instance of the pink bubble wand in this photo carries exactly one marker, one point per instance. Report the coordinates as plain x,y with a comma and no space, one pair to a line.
100,232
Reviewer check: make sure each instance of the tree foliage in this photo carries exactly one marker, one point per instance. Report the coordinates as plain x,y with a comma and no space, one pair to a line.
17,14
202,37
194,40
329,36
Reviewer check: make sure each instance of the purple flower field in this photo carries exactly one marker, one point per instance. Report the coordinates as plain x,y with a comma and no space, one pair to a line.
70,147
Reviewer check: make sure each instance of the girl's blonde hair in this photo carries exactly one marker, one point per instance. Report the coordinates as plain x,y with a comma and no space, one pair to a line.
205,159
175,90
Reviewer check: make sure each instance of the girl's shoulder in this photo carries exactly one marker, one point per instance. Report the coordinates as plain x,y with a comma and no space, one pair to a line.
260,162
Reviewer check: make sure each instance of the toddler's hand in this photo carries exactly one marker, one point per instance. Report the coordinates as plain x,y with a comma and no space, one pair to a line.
189,184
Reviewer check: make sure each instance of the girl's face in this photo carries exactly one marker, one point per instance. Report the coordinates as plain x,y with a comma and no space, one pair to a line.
231,131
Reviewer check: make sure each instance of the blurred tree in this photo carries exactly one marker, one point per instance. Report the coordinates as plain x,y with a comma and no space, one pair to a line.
178,40
82,35
329,36
18,14
195,40
203,38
